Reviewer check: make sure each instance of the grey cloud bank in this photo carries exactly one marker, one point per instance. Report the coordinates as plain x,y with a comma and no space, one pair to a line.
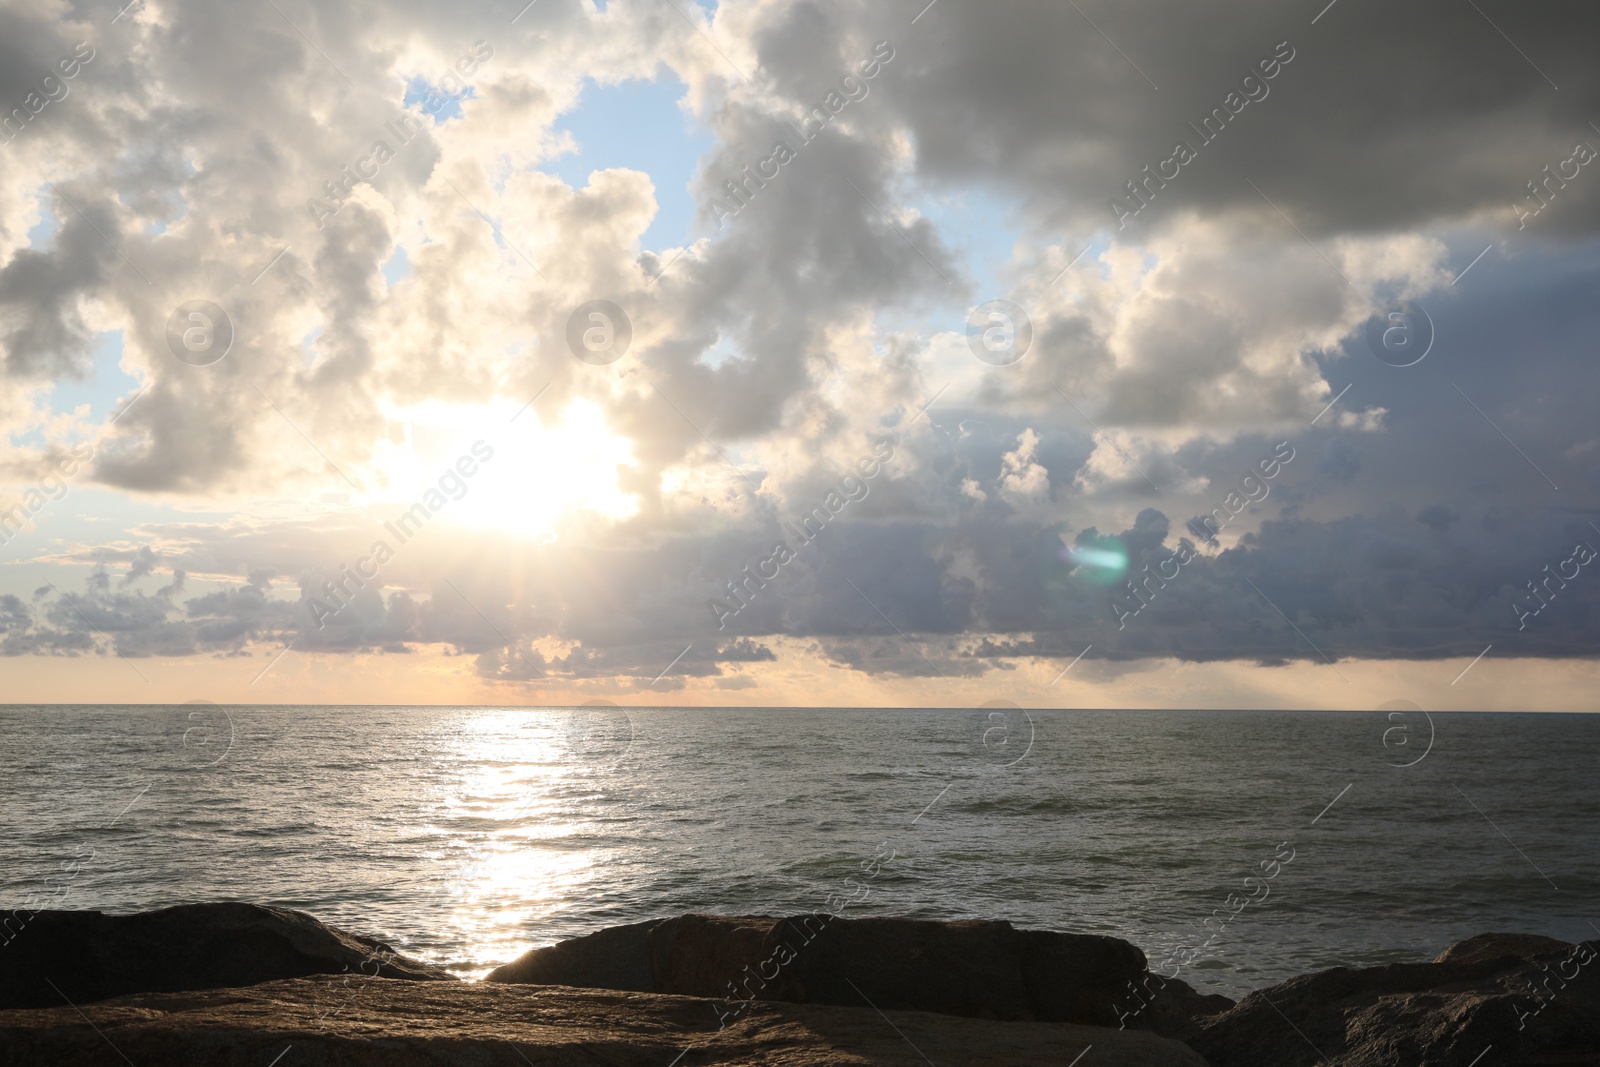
743,587
742,190
50,90
1252,89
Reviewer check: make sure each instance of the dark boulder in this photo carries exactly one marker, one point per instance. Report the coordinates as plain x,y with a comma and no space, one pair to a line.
1534,1011
1493,946
978,969
617,957
1176,1009
89,955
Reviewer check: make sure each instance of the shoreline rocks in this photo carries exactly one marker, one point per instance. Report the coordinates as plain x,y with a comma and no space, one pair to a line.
239,983
1508,993
392,1023
979,969
1493,946
91,956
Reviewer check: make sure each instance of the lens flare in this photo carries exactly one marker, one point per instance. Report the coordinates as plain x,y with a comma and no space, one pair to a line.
1103,563
1100,557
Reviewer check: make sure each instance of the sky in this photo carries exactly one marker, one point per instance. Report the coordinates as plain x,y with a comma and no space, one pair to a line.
1217,355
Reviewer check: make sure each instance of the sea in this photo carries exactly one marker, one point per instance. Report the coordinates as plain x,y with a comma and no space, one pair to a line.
1236,849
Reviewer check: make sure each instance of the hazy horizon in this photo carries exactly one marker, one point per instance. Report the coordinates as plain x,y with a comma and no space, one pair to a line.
779,707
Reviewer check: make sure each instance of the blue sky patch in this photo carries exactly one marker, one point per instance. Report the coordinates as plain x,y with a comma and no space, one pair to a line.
639,125
105,386
397,268
417,90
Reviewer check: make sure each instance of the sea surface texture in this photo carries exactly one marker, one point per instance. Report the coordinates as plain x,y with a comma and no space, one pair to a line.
1236,848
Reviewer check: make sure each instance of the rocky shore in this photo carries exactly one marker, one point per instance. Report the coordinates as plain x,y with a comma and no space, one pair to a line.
243,984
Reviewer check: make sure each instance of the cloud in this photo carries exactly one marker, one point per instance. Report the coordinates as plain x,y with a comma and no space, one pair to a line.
1379,122
199,154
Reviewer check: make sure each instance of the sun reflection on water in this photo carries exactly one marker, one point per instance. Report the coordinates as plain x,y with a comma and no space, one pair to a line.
519,829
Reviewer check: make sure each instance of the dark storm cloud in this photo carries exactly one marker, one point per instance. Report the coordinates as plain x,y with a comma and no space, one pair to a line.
1387,117
1381,587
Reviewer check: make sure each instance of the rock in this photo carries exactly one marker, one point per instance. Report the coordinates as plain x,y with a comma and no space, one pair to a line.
1544,1010
91,956
617,957
1490,946
1177,1009
977,969
409,1024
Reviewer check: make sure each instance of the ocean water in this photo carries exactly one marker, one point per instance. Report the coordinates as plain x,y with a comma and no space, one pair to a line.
467,835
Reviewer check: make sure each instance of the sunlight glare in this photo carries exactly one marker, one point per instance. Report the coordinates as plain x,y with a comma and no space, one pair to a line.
541,476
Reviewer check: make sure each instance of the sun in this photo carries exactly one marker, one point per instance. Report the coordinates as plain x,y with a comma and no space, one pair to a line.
544,474
539,478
